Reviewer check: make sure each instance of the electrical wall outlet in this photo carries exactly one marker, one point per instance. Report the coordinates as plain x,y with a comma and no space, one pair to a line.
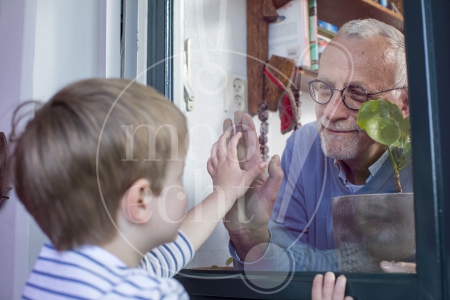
235,93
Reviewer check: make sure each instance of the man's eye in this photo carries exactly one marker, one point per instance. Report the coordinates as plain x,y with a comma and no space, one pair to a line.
324,94
357,92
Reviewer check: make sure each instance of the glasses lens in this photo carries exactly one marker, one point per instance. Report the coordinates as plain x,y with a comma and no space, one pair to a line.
354,96
320,91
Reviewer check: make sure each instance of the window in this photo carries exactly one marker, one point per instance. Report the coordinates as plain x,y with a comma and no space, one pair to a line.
426,25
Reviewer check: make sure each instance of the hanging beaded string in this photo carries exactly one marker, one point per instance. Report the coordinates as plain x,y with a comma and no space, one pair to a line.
263,115
295,87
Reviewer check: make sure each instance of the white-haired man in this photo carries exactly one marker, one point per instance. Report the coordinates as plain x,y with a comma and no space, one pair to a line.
286,221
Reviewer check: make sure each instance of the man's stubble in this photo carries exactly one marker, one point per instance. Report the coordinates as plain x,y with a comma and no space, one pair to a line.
336,146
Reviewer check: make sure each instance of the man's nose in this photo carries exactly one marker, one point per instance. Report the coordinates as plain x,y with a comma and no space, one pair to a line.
336,108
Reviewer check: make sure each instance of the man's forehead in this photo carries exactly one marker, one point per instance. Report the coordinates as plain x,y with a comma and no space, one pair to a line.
357,61
348,48
345,80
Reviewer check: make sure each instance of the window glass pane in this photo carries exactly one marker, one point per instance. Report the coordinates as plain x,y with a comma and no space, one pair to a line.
328,214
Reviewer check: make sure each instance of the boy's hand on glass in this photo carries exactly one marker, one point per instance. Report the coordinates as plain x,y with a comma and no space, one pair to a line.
247,221
223,166
324,287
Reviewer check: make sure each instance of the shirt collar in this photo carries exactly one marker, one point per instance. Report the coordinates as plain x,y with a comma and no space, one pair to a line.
373,169
101,255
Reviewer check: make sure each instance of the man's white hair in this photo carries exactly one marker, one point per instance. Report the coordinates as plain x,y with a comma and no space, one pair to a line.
369,28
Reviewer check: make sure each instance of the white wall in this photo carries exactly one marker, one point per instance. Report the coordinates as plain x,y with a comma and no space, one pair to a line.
45,45
17,20
218,47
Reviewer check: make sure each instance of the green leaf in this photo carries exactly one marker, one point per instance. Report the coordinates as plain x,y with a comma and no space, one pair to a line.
394,112
229,261
383,131
214,267
400,143
383,121
378,108
372,109
407,146
405,126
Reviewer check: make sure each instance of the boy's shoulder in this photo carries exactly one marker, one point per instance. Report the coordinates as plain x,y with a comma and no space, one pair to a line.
94,273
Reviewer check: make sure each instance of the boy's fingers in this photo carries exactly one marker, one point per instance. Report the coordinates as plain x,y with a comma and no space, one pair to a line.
232,147
214,150
316,293
339,288
251,141
328,286
222,146
230,134
210,167
213,157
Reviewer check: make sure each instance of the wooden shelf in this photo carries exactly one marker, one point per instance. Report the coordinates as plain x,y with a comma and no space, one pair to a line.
336,12
342,11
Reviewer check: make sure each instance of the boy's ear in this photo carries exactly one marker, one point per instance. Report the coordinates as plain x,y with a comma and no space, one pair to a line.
137,202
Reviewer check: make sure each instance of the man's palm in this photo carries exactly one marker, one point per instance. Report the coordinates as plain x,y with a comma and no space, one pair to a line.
254,209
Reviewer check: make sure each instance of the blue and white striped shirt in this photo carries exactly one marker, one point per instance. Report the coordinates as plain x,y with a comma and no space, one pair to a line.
91,272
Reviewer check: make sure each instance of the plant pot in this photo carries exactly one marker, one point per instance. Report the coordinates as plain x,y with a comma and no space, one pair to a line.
371,228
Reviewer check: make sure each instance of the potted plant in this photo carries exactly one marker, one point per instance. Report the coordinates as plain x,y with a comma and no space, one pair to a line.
375,227
227,268
384,123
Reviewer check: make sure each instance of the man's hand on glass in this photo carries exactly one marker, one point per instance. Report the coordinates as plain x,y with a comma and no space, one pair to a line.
398,267
247,221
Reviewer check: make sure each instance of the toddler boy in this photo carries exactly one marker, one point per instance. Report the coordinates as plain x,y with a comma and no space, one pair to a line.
99,168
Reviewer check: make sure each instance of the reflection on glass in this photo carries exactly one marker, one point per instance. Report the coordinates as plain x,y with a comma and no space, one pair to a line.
328,158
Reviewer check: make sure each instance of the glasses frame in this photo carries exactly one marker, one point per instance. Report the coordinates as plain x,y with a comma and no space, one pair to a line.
342,92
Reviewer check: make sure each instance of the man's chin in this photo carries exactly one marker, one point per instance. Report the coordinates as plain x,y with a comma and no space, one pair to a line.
340,149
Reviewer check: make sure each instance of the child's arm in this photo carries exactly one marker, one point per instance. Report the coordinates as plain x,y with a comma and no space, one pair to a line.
230,182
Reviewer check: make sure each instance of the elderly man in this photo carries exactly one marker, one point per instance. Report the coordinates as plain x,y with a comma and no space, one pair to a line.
286,221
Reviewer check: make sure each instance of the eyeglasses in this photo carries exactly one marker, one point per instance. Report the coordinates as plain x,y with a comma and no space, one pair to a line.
353,96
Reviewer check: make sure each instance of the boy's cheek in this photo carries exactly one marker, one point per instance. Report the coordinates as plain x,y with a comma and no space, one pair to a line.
171,209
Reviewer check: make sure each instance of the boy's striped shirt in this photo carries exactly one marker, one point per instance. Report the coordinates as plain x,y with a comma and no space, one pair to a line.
90,272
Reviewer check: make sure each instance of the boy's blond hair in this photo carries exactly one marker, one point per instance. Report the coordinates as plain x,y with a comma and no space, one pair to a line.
75,159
